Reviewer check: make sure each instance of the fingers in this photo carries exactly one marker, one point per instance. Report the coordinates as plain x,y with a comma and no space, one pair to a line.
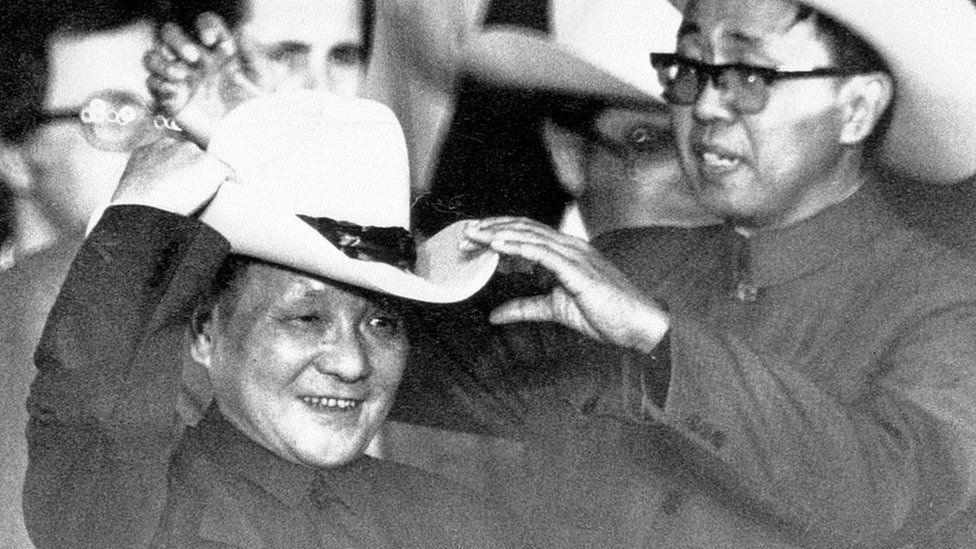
163,64
527,309
180,44
496,231
517,228
215,35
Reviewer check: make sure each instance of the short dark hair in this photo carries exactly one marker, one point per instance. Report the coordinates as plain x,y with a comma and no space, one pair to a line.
227,282
849,50
23,79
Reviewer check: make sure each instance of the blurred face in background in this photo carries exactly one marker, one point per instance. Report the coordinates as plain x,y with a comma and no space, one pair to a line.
68,177
620,165
307,44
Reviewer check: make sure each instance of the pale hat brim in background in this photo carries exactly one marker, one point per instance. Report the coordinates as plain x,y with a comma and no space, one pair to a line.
359,174
595,48
930,48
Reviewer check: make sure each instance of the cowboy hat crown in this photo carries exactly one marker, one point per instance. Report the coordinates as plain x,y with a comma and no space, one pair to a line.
325,189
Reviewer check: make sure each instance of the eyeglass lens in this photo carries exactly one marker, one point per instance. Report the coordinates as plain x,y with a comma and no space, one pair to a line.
684,81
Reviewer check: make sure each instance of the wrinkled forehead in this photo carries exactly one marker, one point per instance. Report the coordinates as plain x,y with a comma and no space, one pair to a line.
316,22
82,64
742,29
267,286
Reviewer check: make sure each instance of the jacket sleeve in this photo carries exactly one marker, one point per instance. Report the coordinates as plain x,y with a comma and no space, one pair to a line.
102,407
886,464
465,374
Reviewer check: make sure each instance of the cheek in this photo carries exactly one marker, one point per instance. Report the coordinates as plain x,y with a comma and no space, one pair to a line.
798,131
72,177
257,356
389,362
801,148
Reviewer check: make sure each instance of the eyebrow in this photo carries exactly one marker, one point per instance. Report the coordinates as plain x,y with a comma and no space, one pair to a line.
745,39
736,36
287,47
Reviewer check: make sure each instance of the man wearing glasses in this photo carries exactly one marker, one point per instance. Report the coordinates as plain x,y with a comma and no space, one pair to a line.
808,368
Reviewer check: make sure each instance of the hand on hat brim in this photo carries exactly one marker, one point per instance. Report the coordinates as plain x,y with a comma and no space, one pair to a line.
592,296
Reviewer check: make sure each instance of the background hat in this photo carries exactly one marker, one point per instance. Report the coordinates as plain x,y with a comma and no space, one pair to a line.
595,48
345,159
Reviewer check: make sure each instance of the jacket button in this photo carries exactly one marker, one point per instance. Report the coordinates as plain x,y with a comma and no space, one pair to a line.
671,502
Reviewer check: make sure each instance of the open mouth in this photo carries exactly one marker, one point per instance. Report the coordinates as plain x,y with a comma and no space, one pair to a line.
719,161
716,161
331,404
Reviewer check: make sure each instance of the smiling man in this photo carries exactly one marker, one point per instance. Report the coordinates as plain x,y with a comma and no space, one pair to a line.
300,321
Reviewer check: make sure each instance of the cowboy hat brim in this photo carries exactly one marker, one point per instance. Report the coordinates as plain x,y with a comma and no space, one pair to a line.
526,59
597,49
444,274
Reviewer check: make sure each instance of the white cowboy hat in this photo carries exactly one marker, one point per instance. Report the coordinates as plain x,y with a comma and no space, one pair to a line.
333,159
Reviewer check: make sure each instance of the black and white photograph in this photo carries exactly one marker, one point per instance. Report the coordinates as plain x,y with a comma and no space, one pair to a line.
465,274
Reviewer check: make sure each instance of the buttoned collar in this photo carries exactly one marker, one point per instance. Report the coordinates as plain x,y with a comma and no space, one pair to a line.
288,482
777,256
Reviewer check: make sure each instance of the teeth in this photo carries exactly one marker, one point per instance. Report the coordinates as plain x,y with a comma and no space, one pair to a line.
323,402
719,160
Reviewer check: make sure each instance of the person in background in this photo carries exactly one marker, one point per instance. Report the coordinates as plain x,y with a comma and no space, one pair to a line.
292,44
52,61
289,277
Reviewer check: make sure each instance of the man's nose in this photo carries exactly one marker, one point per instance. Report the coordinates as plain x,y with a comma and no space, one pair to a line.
713,102
344,356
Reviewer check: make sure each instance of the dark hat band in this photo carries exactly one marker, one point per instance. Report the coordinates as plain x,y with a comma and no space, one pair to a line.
391,245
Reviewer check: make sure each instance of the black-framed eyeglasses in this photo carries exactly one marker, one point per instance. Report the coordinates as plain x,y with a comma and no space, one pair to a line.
746,86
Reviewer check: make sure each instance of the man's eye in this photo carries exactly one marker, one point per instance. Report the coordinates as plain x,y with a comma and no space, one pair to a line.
305,318
684,69
387,324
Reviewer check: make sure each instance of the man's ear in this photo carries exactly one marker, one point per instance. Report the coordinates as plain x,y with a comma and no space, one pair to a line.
865,98
202,327
566,152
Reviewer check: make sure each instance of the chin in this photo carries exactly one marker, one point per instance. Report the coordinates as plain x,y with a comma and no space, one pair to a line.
331,455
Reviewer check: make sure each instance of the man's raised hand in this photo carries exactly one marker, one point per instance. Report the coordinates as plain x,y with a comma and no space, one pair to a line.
198,81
